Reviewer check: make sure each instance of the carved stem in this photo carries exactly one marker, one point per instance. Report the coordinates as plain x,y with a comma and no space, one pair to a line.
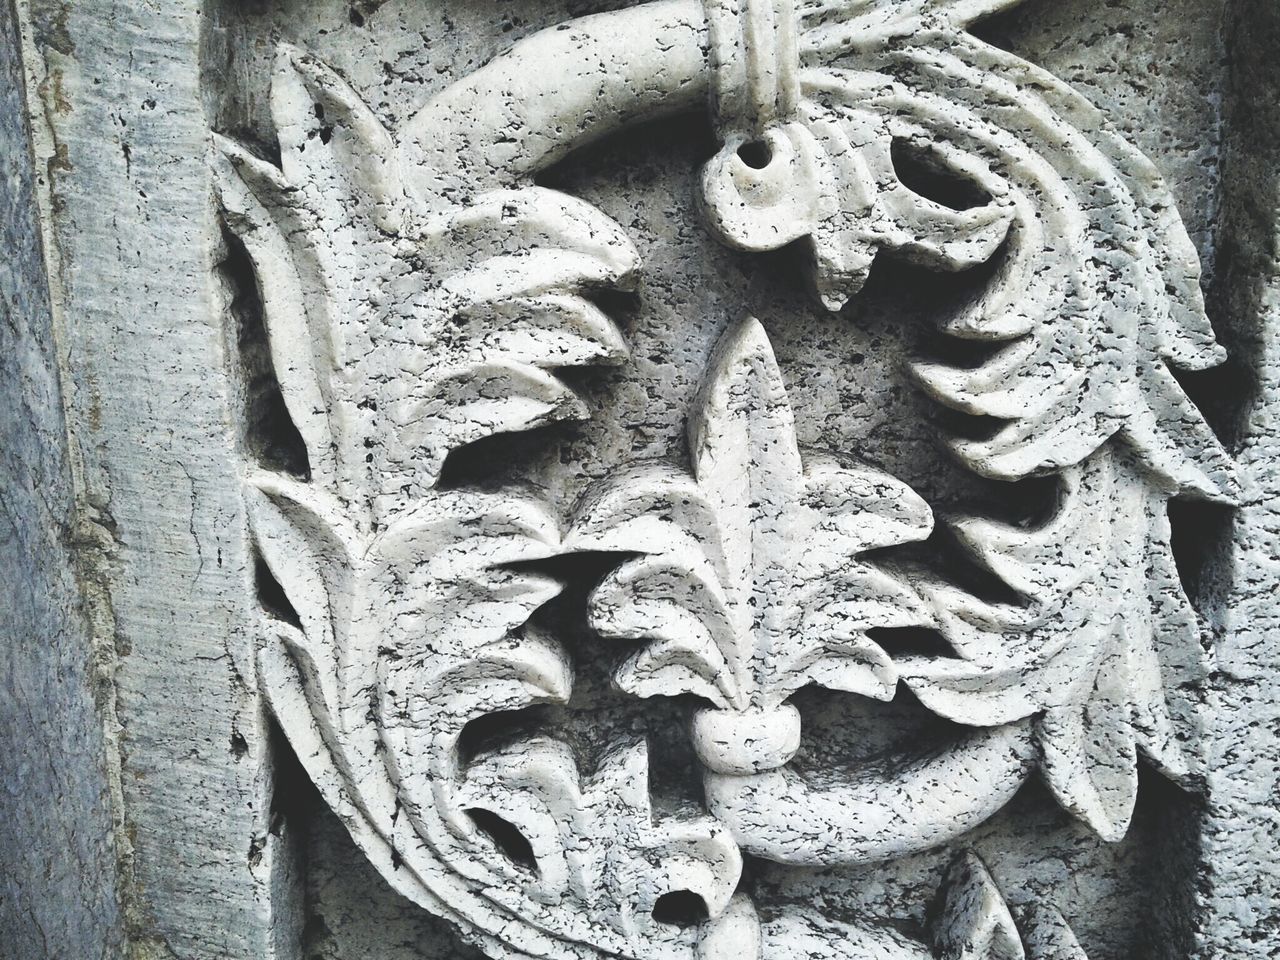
508,119
875,816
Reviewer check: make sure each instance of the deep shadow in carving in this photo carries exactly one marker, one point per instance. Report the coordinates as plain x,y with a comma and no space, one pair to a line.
500,459
843,733
294,798
269,434
294,805
496,730
509,840
682,908
922,170
272,596
911,642
1201,534
755,154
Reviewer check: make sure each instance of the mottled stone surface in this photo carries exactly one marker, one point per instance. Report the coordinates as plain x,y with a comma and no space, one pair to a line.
1241,898
58,883
131,237
159,799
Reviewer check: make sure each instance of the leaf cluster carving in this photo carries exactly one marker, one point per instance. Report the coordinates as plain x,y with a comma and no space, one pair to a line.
750,586
973,922
1096,296
1097,292
400,332
1103,641
408,317
976,923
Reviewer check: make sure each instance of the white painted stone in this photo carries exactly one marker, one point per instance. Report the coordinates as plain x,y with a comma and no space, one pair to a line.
477,471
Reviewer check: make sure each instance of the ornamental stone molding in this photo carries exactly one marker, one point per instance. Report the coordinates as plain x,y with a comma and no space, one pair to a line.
668,480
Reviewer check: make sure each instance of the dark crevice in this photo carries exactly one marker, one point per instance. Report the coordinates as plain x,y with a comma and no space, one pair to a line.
942,556
272,596
293,796
1200,533
957,352
966,573
506,837
270,435
997,30
1027,504
900,642
1171,818
923,171
968,426
264,148
685,134
620,306
1222,393
294,804
502,458
680,908
844,733
755,154
496,730
908,288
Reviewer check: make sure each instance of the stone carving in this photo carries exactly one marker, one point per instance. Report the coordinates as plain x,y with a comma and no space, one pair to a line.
747,588
975,922
808,145
421,292
400,334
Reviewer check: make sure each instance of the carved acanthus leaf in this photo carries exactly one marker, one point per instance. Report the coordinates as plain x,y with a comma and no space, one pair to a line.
402,330
373,607
1104,642
596,841
1048,936
749,585
1097,293
975,922
422,627
406,322
1095,300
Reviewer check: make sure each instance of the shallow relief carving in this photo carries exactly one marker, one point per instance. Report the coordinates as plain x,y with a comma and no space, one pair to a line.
422,293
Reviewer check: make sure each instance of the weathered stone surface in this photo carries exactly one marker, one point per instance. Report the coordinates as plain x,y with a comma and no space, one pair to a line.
58,883
1242,901
131,238
717,478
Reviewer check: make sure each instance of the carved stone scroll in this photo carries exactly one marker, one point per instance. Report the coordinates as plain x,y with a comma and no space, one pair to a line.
422,292
639,480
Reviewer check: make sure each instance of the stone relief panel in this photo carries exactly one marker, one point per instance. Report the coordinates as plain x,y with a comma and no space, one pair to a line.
486,625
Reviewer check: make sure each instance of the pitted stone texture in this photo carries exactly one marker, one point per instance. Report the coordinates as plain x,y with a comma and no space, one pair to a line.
421,295
452,492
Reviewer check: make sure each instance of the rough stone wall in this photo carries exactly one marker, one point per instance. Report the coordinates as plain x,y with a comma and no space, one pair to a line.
58,890
1241,889
131,235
